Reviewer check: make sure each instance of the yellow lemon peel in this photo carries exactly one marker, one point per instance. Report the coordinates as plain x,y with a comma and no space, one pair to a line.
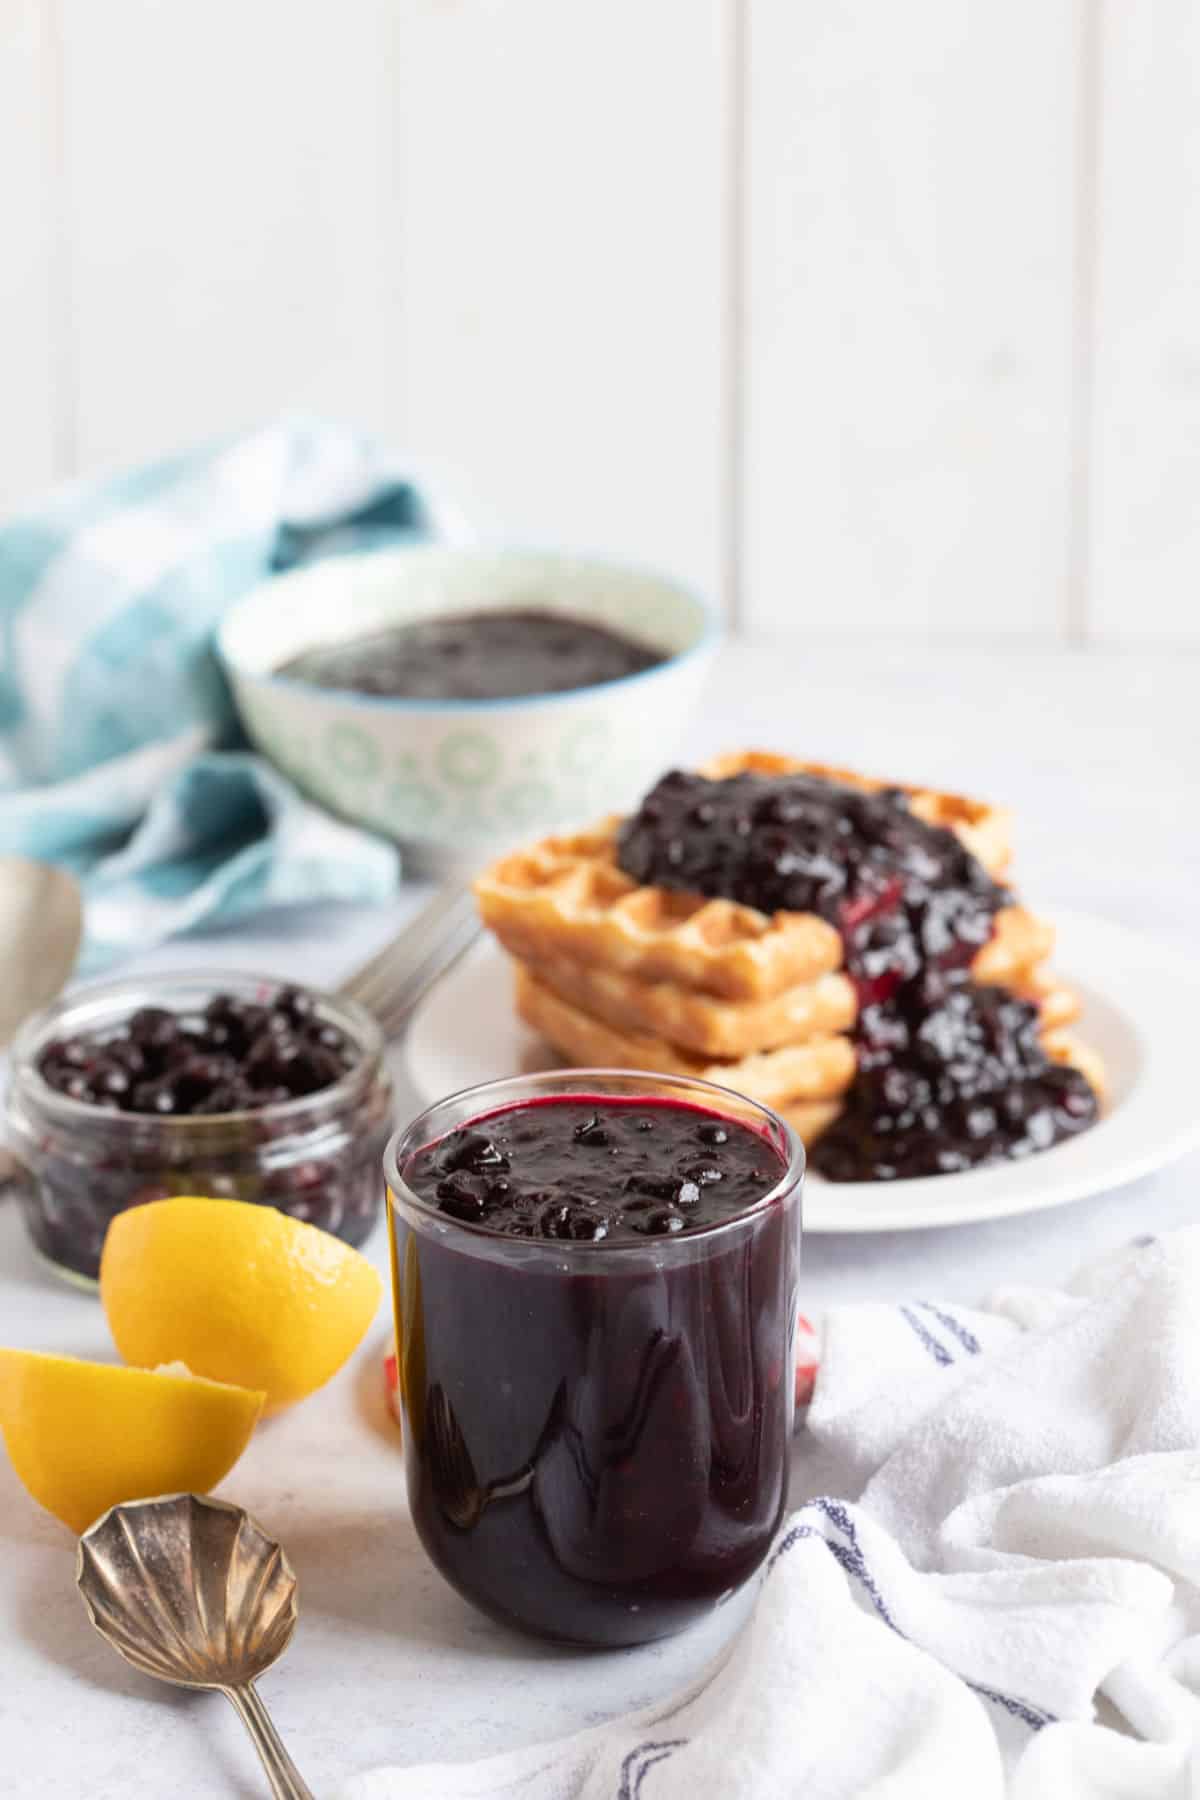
83,1436
237,1292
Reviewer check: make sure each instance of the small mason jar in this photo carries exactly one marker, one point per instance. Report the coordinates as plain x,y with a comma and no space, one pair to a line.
76,1164
597,1434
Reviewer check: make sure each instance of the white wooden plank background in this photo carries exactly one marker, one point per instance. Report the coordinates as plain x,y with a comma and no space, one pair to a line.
909,311
830,308
31,398
1145,504
232,213
564,267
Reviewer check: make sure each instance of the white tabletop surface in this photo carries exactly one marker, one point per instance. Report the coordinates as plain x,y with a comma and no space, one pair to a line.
1100,756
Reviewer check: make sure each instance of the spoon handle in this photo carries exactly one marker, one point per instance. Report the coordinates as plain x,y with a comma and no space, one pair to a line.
282,1773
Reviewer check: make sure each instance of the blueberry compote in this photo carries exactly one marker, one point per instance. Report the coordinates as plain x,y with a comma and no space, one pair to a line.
234,1087
497,655
597,1377
950,1073
585,1172
233,1056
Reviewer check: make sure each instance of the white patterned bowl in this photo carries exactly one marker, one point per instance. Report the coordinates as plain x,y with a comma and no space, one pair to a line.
457,777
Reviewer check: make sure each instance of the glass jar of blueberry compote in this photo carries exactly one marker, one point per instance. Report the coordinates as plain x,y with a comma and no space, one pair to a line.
595,1279
221,1084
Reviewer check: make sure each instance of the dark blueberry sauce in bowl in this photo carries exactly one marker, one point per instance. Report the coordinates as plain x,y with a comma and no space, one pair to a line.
503,654
226,1085
595,1278
951,1073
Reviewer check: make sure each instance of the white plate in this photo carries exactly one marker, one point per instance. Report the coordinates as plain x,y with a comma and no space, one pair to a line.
1141,1001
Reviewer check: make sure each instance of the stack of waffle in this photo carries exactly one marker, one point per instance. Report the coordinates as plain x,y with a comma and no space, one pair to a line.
621,976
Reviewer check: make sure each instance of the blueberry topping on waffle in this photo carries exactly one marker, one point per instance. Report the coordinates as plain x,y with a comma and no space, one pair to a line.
950,1073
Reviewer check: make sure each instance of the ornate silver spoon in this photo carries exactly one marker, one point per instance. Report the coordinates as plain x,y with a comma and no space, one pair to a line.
193,1591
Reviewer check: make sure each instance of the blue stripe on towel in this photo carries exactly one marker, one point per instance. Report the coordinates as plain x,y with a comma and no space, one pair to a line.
636,1765
850,1557
938,1351
954,1326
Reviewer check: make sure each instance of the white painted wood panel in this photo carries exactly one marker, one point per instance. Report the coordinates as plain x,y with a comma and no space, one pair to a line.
231,173
30,295
493,232
563,210
910,294
1145,503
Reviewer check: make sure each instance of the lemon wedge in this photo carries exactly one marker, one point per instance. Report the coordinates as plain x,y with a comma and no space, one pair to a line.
84,1436
240,1293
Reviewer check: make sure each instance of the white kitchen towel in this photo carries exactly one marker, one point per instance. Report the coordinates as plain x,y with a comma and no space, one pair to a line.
996,1591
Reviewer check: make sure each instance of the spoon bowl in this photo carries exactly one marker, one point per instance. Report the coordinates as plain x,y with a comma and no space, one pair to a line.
194,1592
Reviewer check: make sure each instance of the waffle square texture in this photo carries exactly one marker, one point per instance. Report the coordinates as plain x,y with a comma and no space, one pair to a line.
804,1082
566,897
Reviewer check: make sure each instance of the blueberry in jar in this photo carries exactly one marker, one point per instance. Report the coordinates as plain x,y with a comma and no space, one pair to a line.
233,1056
234,1087
597,1344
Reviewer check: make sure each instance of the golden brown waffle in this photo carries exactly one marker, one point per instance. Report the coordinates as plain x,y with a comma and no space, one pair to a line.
566,897
1057,1004
809,1118
636,976
709,1027
804,1082
698,1022
1020,941
819,1070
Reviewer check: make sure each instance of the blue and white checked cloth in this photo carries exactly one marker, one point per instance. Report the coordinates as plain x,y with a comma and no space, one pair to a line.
119,749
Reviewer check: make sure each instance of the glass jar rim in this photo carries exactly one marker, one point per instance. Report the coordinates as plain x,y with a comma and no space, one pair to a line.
26,1078
574,1081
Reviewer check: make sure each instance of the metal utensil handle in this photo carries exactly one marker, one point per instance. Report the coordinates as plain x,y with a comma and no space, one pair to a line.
282,1773
413,944
392,983
407,995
